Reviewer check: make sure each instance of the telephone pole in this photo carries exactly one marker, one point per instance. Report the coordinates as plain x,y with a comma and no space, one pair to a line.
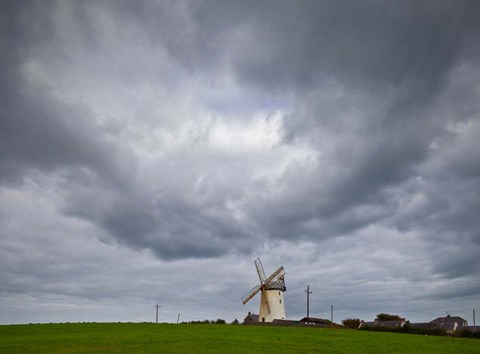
308,301
157,307
474,326
331,313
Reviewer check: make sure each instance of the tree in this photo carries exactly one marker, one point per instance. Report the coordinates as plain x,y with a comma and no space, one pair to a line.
388,317
235,322
351,322
220,321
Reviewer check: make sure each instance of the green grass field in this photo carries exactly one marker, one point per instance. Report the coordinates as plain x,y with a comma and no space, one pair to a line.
196,338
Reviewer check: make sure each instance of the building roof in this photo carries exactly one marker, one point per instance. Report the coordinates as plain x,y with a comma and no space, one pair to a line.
426,325
315,320
448,321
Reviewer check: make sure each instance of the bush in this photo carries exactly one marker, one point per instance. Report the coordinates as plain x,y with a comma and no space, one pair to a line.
465,333
407,328
388,317
351,322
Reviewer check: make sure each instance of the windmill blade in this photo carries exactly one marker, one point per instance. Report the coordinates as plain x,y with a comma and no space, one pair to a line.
260,270
246,298
279,272
266,309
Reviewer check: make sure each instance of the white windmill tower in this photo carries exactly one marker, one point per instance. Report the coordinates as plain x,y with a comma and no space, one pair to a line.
272,305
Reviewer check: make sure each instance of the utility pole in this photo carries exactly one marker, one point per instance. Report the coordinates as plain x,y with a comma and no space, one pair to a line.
331,313
157,307
178,317
474,327
308,301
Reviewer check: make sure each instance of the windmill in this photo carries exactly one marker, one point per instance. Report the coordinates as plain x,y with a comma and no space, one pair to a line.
272,305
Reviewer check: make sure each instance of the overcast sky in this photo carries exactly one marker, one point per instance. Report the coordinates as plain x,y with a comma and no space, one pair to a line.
151,150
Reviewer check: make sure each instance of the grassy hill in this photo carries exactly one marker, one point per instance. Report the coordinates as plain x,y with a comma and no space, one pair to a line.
196,338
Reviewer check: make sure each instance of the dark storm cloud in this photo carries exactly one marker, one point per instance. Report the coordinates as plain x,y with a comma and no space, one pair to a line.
37,131
378,123
170,225
395,53
363,84
305,43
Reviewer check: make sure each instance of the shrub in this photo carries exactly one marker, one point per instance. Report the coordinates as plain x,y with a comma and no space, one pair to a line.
351,322
388,317
407,329
467,333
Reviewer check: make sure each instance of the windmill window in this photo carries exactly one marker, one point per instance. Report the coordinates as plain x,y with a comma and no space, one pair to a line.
280,301
279,293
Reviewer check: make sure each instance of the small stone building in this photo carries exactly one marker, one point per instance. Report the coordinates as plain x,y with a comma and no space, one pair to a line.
250,318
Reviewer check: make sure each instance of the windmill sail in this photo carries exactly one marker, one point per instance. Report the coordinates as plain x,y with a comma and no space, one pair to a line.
276,274
246,298
266,309
260,270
